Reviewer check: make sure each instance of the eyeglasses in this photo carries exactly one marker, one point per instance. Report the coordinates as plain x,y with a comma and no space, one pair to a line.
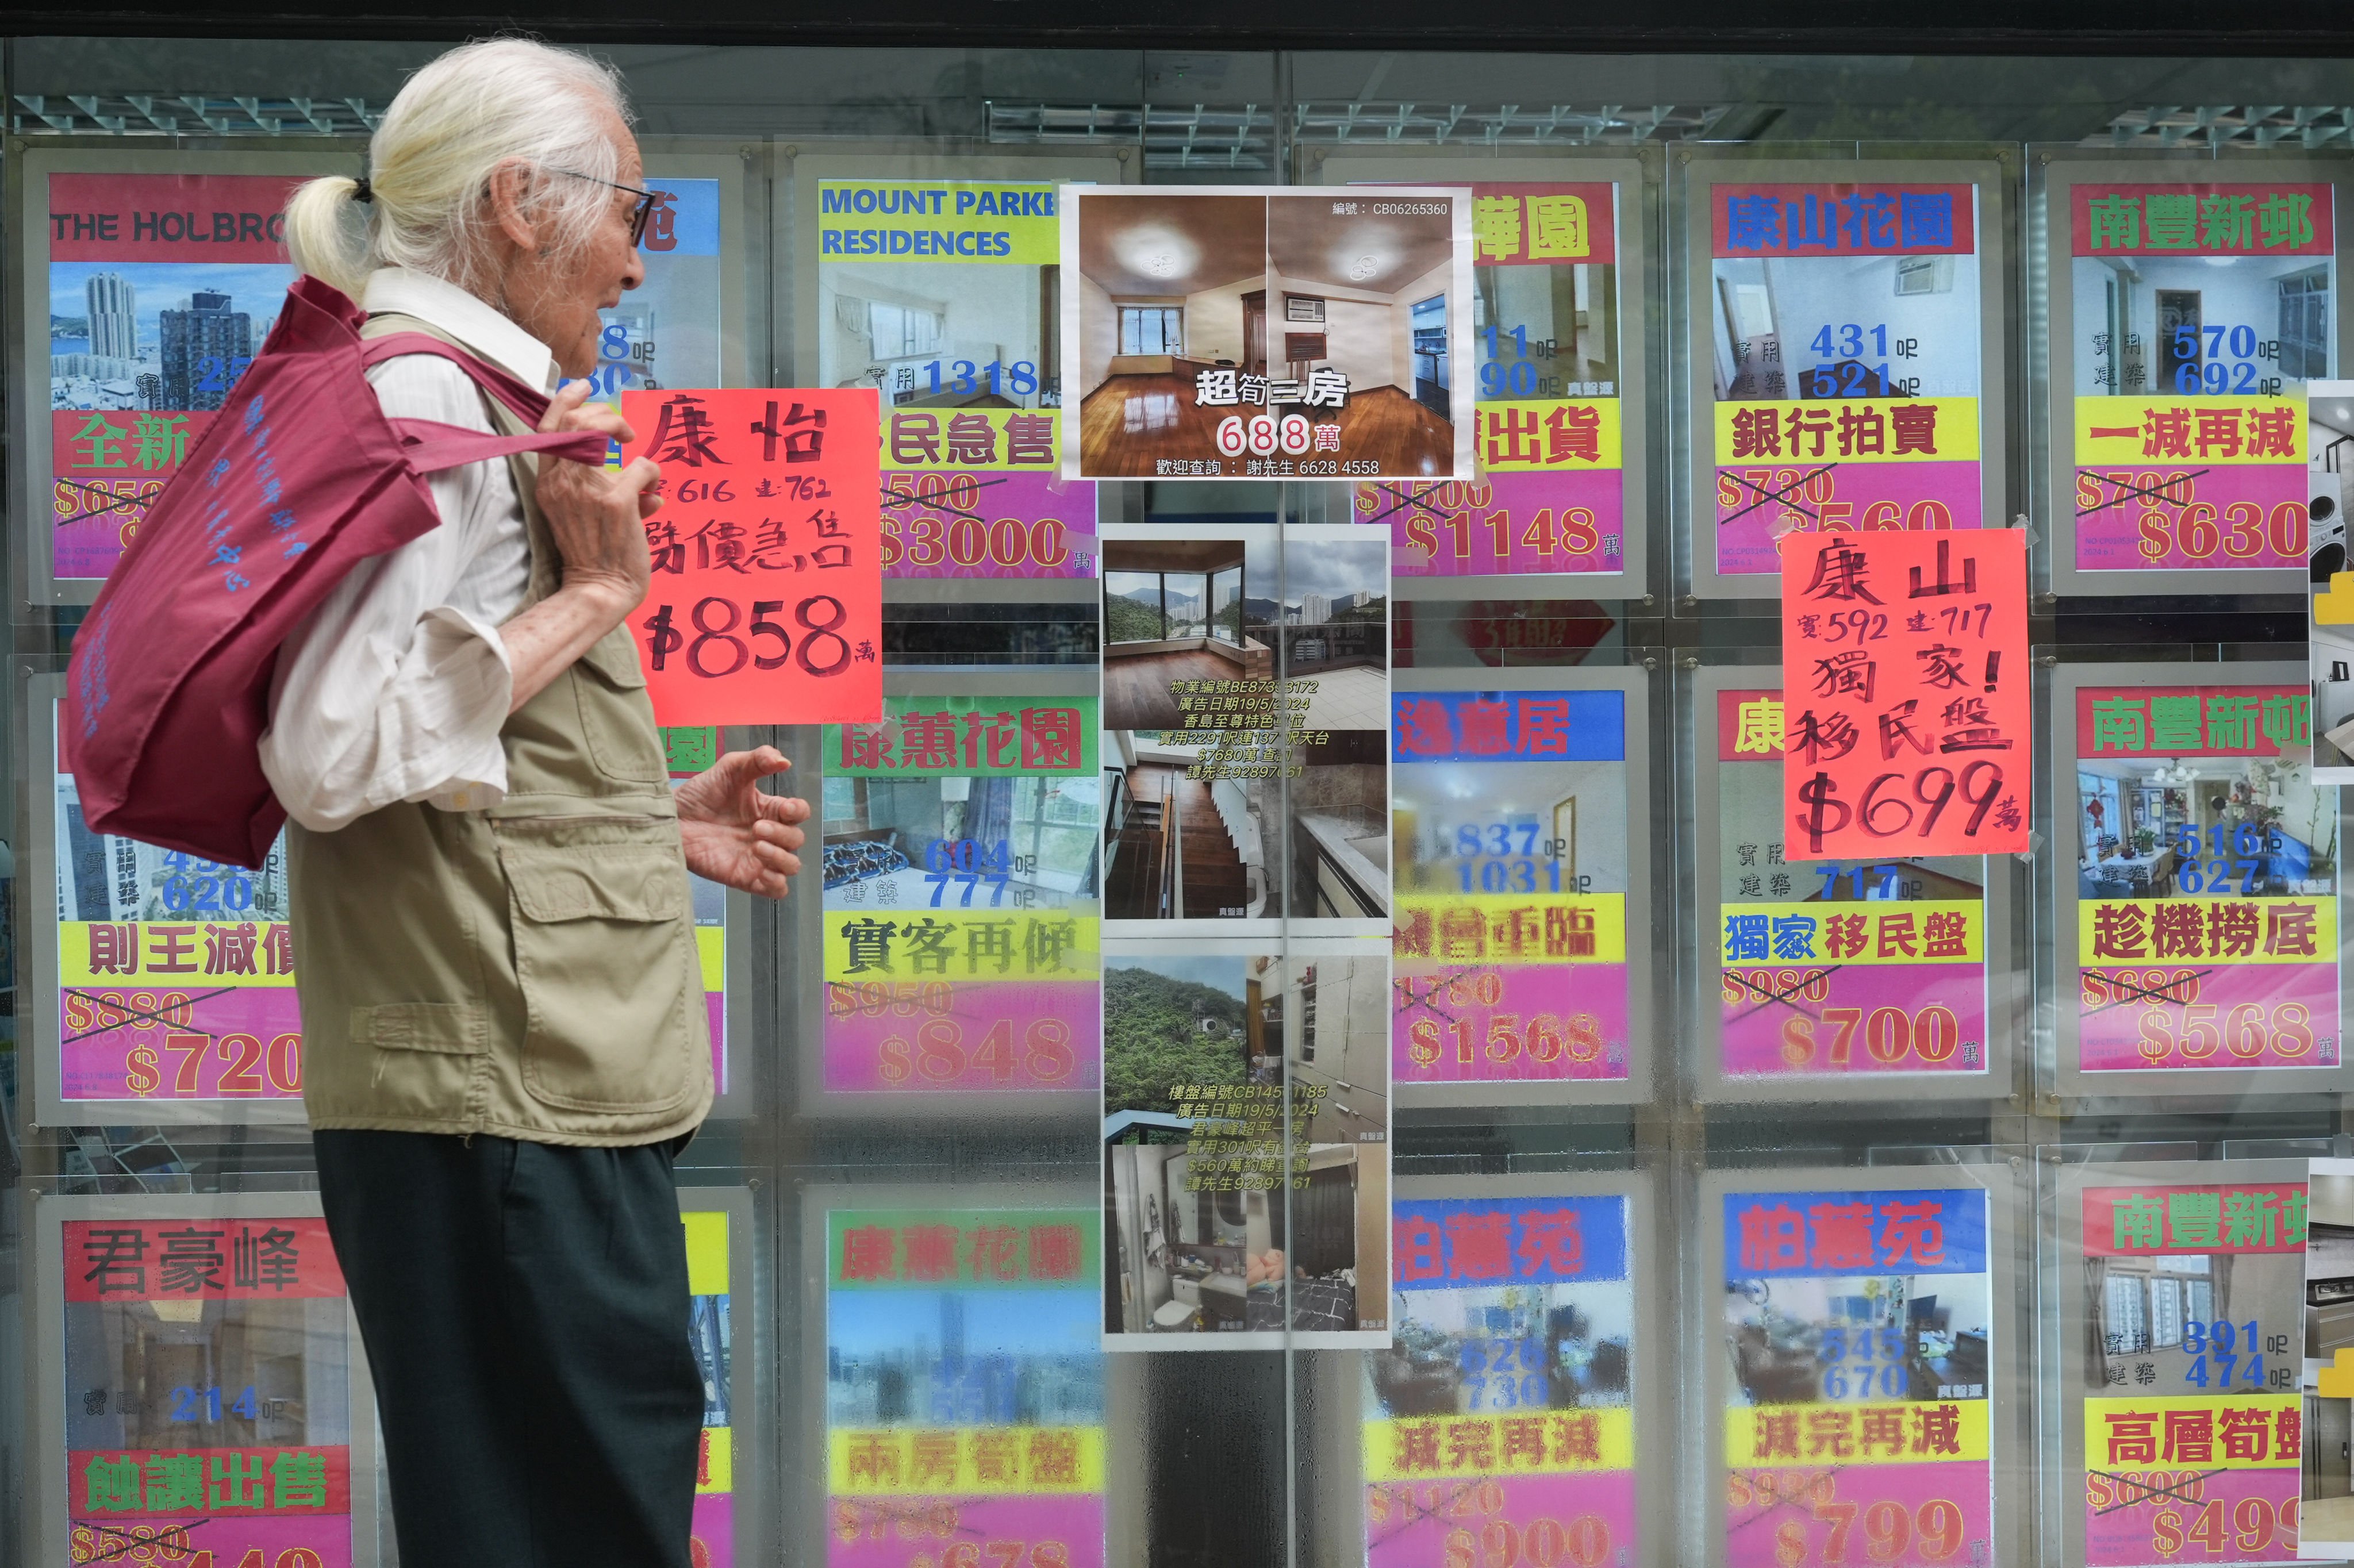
639,214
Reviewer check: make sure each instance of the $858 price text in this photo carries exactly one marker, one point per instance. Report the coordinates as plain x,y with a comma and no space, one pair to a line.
712,650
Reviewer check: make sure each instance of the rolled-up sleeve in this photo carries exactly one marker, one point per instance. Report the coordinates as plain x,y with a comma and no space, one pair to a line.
396,687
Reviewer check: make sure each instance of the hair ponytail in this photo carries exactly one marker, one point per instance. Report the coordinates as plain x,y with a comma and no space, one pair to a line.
445,135
326,233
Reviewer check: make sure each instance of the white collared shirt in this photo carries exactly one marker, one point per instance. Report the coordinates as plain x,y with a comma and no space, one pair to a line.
397,685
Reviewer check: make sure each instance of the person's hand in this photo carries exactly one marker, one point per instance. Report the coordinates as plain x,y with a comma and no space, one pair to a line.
734,833
596,515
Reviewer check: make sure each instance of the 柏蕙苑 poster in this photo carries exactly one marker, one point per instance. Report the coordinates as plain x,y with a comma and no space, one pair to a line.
204,1402
1832,967
2198,899
943,295
1211,1057
1860,1364
1519,859
1843,384
962,912
1243,333
1499,1424
2197,312
2182,1412
1547,389
964,1387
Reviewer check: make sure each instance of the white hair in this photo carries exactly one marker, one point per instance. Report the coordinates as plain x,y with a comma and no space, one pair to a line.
474,110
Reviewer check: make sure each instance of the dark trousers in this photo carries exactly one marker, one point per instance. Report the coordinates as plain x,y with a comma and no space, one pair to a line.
526,1313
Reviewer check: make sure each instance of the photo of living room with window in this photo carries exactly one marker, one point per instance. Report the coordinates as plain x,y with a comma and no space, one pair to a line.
1194,307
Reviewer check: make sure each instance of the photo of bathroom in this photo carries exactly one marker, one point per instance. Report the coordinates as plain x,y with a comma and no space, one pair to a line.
1200,1054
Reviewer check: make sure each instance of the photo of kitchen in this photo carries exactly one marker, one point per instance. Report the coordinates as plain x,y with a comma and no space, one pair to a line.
2147,828
1207,1246
1317,294
1916,1335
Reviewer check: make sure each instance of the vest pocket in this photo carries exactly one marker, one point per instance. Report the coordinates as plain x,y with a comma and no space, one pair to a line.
617,718
604,951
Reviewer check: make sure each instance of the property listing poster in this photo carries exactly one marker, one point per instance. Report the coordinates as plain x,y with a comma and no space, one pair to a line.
174,976
1859,1326
209,1407
1499,1424
944,296
1846,337
161,290
1220,1242
2329,589
2203,900
1832,968
690,751
964,1413
1239,332
1545,381
961,904
2323,1524
2191,1421
2199,311
1512,835
711,1330
666,331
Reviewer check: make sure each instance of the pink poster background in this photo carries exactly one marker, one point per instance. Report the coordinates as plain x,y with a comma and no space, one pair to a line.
1023,497
2125,1536
94,1062
228,1537
1423,545
1420,993
2109,1035
1790,1532
854,1057
711,1542
1744,545
2109,538
1418,1537
1753,1026
1073,1520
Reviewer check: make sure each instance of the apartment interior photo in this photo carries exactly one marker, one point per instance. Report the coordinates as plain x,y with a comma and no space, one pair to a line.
1275,287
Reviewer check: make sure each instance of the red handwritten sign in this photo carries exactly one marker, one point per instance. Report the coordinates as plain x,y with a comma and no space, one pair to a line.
767,603
1908,728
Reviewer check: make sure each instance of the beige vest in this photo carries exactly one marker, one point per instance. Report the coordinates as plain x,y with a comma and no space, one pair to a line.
530,970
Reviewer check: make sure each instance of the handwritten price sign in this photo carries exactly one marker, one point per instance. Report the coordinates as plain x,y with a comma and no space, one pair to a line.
1909,728
767,603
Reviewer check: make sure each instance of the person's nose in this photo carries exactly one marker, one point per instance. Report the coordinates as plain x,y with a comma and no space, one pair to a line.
633,275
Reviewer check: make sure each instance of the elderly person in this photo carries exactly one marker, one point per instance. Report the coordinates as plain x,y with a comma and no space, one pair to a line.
502,1003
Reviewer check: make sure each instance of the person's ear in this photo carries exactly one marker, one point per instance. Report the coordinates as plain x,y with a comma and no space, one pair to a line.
509,195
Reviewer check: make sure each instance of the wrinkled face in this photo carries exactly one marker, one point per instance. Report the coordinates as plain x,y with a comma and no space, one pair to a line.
555,296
